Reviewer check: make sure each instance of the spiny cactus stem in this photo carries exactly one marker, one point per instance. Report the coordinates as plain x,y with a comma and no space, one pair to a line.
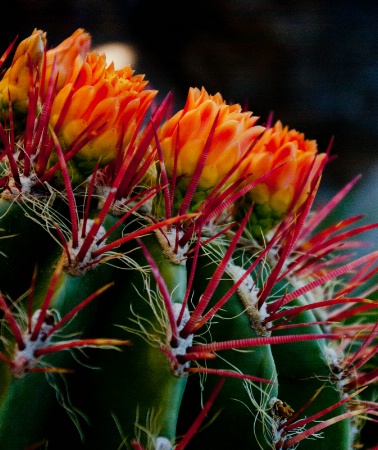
195,356
290,424
212,285
321,280
359,278
35,349
97,223
140,233
124,217
297,413
299,217
25,358
320,215
351,363
360,329
78,308
289,443
220,198
174,360
165,295
12,323
332,243
319,263
47,300
31,298
131,159
237,284
313,188
208,212
63,241
284,325
319,239
203,242
190,279
273,276
252,342
322,413
343,313
296,310
98,342
229,374
88,200
363,379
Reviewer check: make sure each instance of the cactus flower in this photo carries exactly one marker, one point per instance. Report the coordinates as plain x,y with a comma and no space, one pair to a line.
293,162
187,132
64,55
98,109
15,83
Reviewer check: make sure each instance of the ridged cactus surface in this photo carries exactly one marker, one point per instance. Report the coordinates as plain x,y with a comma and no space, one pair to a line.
166,281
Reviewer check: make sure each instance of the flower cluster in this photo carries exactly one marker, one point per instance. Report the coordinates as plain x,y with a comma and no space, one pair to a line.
96,112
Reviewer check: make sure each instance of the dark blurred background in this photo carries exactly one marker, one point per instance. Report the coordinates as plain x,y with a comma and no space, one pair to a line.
313,63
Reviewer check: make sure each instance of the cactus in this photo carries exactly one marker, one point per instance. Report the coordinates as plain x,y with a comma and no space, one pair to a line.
166,281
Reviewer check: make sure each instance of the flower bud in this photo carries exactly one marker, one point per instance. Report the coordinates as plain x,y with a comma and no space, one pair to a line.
290,162
186,133
101,108
15,84
64,55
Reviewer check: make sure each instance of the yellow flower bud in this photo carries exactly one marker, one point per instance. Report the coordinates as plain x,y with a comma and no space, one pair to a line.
186,134
101,107
16,81
64,55
291,162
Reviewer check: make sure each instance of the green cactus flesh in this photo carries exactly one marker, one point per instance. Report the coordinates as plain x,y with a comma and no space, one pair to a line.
139,394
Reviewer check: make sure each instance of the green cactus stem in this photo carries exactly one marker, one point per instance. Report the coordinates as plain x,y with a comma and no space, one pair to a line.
146,404
241,410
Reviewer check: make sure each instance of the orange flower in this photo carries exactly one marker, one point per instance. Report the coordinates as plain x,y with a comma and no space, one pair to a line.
16,81
110,103
64,55
189,129
29,60
293,180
